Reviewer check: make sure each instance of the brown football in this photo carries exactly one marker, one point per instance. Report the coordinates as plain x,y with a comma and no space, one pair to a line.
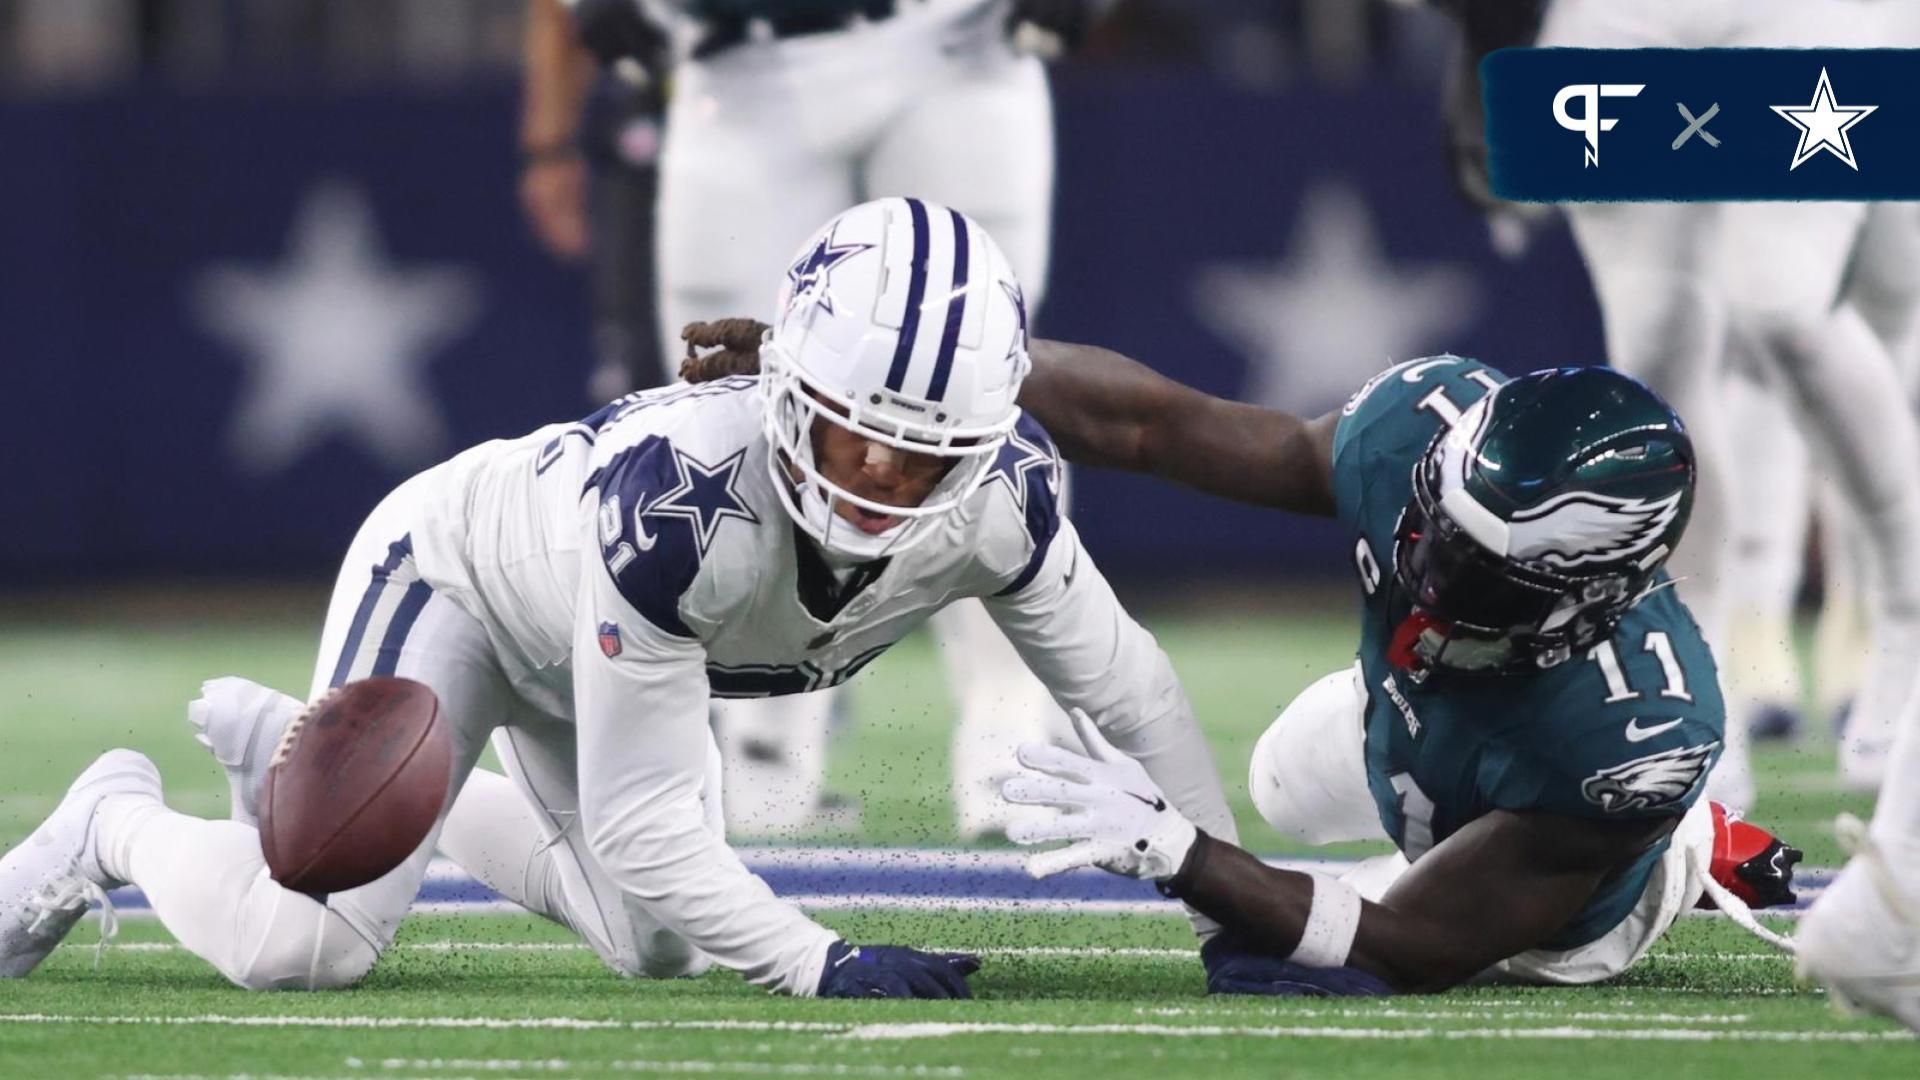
355,785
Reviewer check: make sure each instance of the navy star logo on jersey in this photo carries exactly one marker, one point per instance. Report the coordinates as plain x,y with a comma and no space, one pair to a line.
809,275
1016,461
705,496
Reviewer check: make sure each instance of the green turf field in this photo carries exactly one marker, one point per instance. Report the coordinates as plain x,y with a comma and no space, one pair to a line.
501,996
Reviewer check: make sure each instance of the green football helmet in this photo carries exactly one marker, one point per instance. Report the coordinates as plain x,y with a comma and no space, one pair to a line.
1537,520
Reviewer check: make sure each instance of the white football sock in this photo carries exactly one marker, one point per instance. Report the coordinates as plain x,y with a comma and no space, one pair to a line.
775,751
999,704
1843,638
1769,543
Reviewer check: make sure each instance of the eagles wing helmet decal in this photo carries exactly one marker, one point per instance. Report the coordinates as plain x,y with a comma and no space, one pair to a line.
1662,779
1583,527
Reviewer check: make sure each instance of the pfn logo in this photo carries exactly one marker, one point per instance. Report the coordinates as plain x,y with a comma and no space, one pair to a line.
1589,122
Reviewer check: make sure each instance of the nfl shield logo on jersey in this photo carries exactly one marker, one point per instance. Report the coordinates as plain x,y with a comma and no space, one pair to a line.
610,639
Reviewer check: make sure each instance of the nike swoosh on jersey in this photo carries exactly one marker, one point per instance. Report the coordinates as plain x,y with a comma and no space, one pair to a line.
1636,733
642,539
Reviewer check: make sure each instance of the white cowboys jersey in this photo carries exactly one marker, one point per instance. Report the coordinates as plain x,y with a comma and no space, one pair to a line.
629,565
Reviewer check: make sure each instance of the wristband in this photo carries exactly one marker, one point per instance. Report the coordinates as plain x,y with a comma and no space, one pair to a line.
1190,866
1333,919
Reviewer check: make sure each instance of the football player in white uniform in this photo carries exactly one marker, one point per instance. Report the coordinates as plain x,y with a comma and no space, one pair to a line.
781,113
579,594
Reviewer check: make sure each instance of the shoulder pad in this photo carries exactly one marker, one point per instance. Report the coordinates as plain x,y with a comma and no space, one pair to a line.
660,511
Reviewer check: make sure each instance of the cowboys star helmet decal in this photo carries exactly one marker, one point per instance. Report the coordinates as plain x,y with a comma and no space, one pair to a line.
1647,783
1583,527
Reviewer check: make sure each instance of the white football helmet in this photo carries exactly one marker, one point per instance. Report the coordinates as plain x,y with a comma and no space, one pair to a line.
902,322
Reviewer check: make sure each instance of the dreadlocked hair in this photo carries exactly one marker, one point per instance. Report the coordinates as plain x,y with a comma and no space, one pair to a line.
721,348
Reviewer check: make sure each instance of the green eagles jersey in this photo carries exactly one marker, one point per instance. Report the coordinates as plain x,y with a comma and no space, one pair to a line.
1627,730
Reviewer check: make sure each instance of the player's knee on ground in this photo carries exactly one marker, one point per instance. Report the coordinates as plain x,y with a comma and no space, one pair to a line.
647,950
1308,775
300,945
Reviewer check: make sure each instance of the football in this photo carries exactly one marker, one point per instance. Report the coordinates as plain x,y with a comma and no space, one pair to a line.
355,785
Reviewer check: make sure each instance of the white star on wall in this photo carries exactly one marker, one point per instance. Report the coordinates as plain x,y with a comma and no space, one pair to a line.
1334,309
335,338
1823,125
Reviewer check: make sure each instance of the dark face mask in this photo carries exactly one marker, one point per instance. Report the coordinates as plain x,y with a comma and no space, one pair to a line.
1473,610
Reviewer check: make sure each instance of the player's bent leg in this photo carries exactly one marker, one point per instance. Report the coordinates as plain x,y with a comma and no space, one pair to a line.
520,835
1308,776
209,886
1673,889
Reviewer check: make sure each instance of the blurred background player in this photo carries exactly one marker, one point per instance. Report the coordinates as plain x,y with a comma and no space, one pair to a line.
781,111
592,96
1684,288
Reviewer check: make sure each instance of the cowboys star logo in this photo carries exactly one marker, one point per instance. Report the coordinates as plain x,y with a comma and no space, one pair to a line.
1662,779
808,278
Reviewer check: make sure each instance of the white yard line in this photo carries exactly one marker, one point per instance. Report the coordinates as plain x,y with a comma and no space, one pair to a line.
1565,1032
1390,1013
489,1023
937,1030
1091,952
690,1065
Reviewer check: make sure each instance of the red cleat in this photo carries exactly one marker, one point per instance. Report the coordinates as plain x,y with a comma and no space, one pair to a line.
1750,862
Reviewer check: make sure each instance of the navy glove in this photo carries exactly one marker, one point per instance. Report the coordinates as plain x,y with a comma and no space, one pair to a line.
1233,968
893,971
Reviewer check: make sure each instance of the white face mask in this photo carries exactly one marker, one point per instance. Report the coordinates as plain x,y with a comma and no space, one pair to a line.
813,501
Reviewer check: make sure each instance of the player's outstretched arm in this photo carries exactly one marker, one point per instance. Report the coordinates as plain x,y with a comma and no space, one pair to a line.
1502,885
1106,409
1499,886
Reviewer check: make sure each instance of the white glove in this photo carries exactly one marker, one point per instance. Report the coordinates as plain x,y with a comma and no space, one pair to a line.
1116,813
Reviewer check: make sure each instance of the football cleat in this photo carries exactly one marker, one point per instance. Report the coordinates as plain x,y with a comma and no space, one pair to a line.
1774,722
49,881
1750,862
1861,938
241,722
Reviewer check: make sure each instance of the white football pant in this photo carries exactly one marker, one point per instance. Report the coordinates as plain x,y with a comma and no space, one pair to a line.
208,882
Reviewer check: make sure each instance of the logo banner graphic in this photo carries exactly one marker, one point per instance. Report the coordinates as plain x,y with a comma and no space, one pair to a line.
1585,125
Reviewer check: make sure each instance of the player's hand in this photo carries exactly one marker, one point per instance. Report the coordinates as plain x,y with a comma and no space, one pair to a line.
1233,968
553,192
1116,815
894,971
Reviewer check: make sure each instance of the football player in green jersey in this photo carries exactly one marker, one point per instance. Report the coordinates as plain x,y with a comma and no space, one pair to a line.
1532,714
